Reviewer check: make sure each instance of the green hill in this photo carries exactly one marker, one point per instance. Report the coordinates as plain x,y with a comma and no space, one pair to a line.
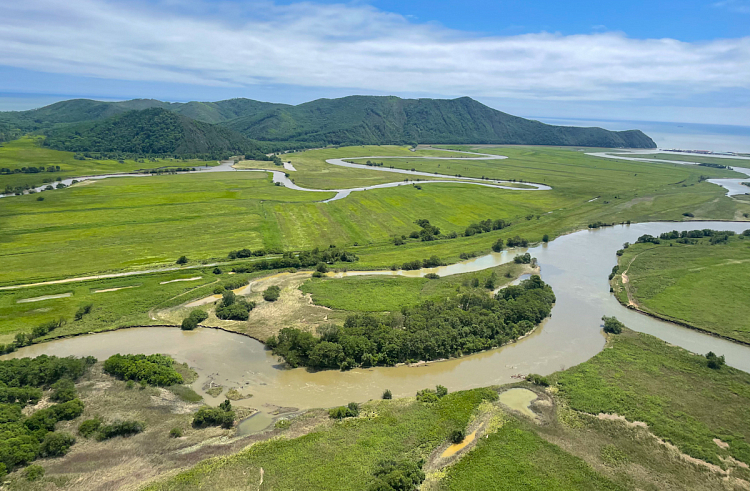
153,131
348,120
388,120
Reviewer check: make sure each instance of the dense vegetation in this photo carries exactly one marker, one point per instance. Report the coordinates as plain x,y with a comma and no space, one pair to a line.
429,331
155,370
303,259
233,307
195,317
27,437
214,416
152,132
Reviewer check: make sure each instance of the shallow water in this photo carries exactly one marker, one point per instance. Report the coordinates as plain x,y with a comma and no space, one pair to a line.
519,400
575,265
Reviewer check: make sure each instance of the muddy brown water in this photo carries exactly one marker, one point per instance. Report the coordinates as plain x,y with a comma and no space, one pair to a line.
576,265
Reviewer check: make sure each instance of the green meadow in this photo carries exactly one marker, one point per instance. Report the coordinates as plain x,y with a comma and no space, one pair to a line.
26,152
702,285
135,223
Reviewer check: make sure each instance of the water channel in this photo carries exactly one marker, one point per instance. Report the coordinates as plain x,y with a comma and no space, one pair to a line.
576,265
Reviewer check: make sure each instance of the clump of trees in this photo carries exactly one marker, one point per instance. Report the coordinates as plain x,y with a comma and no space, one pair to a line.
498,245
120,428
234,308
25,339
304,259
154,370
522,259
691,236
715,362
517,242
231,284
25,438
397,476
429,396
272,293
600,225
612,325
431,262
215,416
428,232
485,226
432,330
537,379
191,321
349,411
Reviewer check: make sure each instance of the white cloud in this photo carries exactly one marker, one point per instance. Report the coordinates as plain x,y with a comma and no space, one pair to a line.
740,6
353,46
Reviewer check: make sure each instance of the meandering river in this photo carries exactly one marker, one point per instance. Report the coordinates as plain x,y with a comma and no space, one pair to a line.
576,265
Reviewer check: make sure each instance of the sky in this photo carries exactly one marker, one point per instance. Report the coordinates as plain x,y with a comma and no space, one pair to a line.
686,61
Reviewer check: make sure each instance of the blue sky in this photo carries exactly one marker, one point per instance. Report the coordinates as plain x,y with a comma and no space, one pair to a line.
662,61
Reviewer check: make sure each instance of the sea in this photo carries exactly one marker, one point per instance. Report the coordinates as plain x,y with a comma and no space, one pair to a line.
682,136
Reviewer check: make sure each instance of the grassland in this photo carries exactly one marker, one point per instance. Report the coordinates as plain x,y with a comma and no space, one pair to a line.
682,401
691,158
390,293
25,152
701,285
123,224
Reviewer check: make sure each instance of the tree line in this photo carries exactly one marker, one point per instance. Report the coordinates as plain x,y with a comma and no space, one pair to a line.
432,330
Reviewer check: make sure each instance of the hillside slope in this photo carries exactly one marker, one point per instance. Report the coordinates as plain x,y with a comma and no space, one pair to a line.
391,120
153,131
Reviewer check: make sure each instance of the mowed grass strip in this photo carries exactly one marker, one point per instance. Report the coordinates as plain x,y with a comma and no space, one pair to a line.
684,402
702,285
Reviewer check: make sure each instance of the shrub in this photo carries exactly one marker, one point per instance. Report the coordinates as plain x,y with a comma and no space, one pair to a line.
393,476
56,444
217,270
63,390
234,308
545,238
517,242
213,416
120,428
317,274
321,268
191,321
522,259
715,362
182,260
83,310
271,294
612,325
34,472
457,436
175,433
87,428
432,276
387,394
148,369
349,411
537,379
498,245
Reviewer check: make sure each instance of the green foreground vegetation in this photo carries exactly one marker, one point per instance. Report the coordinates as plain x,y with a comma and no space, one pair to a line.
699,283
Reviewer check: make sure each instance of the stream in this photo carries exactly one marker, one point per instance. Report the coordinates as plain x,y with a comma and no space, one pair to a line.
575,265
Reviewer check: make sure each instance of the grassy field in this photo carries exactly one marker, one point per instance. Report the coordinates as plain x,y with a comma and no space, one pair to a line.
25,152
692,158
702,285
124,223
682,401
516,458
390,293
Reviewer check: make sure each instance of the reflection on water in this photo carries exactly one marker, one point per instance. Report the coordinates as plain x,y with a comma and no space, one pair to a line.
576,265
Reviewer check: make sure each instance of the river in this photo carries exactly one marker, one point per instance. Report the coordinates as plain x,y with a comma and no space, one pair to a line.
575,265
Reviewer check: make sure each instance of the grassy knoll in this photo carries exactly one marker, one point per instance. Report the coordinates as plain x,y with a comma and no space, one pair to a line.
390,293
25,152
516,458
702,285
673,391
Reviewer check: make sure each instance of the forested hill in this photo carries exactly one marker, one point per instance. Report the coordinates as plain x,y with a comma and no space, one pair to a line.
383,120
153,131
348,120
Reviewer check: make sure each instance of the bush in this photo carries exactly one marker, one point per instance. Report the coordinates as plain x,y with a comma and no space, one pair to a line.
56,444
83,310
522,259
34,472
120,428
517,242
213,416
537,379
545,238
63,390
715,362
349,411
432,276
175,433
392,476
457,436
430,396
498,245
87,428
387,394
321,268
271,294
191,321
182,260
612,325
317,274
234,308
154,370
